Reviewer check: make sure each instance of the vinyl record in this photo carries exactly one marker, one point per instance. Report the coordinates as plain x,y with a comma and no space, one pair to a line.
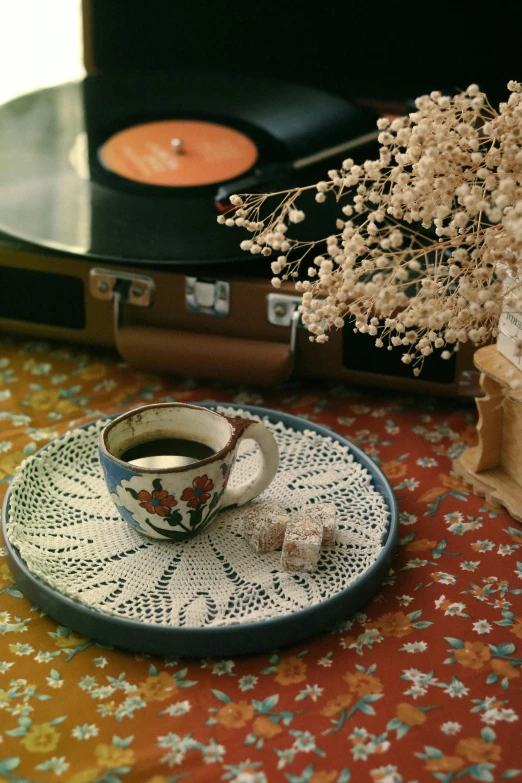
126,168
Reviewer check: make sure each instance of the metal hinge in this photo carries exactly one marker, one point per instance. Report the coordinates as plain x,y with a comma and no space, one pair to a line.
132,289
121,288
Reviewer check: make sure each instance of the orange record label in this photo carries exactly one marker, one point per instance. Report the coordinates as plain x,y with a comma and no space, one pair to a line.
179,153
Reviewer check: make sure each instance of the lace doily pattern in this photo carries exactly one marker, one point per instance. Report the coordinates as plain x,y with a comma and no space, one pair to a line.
67,530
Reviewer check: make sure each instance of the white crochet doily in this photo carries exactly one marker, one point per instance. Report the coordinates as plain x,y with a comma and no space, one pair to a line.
70,535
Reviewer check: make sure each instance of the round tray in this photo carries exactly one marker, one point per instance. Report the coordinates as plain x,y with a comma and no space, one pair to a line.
242,638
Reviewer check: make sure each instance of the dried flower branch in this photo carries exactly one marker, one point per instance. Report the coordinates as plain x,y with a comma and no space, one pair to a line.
452,168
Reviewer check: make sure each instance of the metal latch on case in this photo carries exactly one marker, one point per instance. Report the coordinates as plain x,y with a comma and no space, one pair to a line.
282,310
121,288
210,297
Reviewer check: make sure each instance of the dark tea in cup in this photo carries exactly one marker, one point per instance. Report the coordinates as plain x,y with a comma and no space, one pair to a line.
166,452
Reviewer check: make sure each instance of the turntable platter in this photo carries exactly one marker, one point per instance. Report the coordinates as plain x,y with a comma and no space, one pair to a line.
70,158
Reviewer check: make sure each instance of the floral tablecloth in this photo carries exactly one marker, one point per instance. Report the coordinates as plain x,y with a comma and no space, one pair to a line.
422,684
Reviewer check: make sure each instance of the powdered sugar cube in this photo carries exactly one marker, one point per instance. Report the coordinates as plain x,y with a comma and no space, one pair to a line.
264,526
301,546
323,514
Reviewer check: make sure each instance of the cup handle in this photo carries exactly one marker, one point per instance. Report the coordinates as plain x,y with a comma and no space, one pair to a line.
256,431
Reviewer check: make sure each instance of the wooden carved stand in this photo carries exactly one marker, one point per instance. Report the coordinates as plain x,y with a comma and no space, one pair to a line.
494,466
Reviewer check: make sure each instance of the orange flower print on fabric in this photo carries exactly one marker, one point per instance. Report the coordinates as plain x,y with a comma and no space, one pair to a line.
439,576
357,739
266,728
324,777
422,545
363,684
290,671
477,591
504,668
478,750
395,624
473,655
158,688
448,482
432,494
160,502
410,715
516,628
41,738
109,756
394,468
235,715
445,604
334,706
445,764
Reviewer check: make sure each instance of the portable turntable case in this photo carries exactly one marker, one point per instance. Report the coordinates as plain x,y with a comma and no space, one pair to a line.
96,268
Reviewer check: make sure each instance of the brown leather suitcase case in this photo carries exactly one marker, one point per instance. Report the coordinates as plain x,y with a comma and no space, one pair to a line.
229,326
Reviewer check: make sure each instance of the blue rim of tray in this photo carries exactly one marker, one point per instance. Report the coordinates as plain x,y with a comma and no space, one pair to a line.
231,640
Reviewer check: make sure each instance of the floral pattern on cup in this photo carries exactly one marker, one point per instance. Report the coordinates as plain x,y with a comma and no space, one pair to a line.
149,507
160,502
199,492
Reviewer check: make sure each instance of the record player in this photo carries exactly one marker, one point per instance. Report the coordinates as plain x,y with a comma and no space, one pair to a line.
110,190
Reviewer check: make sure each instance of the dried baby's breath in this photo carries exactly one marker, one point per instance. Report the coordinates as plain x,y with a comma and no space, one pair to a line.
427,244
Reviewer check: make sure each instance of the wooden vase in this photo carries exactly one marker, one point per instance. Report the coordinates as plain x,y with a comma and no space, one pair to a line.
494,467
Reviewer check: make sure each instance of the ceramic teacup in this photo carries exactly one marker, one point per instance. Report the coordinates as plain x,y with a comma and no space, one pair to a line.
177,497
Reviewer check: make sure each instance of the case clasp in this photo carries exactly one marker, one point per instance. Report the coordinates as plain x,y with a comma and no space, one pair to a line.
210,297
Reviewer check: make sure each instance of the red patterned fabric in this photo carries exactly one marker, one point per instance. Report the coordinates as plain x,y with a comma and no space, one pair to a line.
422,684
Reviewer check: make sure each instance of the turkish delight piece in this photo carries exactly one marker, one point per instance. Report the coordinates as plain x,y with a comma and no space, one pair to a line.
323,514
301,546
264,526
